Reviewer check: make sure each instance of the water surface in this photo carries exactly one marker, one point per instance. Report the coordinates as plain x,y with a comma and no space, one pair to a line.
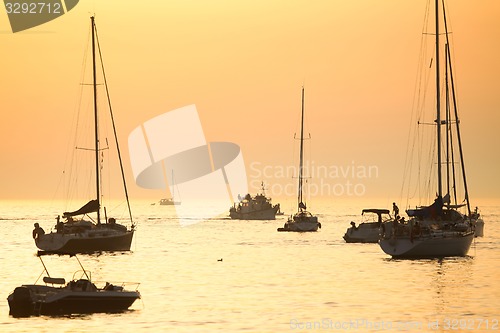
266,282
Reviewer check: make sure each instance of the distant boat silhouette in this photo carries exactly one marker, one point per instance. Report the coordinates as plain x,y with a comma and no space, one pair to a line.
258,207
170,201
303,220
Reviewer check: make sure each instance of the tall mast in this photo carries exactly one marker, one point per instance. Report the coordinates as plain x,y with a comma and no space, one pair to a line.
96,136
457,122
301,150
447,122
438,105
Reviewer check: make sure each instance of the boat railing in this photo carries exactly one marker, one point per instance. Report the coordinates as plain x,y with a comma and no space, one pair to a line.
118,286
83,274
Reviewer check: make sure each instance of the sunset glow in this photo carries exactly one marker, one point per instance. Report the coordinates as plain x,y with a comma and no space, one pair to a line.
242,64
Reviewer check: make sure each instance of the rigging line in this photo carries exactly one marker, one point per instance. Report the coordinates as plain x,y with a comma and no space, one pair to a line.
75,125
416,105
114,130
447,127
464,178
421,106
70,153
453,172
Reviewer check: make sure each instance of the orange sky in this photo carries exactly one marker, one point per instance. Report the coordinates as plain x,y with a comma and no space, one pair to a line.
243,64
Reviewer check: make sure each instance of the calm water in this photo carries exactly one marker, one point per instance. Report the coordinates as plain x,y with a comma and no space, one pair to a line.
267,281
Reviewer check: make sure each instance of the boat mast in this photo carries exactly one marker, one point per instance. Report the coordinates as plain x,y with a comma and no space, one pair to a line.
301,204
96,136
459,138
447,122
438,105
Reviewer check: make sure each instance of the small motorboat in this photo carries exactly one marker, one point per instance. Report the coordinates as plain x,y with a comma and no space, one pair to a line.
366,232
78,296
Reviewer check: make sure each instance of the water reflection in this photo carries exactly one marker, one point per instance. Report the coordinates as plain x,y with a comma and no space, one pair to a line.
452,283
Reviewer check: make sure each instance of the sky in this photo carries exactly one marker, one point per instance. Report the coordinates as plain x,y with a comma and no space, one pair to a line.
243,64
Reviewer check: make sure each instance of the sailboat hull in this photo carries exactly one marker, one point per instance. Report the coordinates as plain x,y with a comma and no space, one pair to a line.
302,222
300,226
428,247
169,202
86,242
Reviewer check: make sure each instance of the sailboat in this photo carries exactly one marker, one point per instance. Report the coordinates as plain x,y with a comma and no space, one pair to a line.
81,232
303,220
170,201
440,229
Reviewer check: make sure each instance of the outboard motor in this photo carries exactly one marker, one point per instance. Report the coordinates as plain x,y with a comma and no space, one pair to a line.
21,303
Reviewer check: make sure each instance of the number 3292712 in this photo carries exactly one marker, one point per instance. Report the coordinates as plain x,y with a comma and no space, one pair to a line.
470,324
33,8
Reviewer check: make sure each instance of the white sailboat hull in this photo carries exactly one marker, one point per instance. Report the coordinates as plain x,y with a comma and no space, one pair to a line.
301,226
444,245
88,241
301,222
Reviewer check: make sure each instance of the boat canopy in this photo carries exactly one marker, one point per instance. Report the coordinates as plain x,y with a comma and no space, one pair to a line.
376,211
89,207
434,210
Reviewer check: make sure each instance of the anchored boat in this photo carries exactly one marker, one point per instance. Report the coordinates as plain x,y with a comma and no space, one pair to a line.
302,220
81,231
439,229
258,207
78,296
367,232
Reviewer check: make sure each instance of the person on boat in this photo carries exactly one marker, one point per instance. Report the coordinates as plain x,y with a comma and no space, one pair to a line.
417,229
353,224
37,232
59,225
395,209
395,226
